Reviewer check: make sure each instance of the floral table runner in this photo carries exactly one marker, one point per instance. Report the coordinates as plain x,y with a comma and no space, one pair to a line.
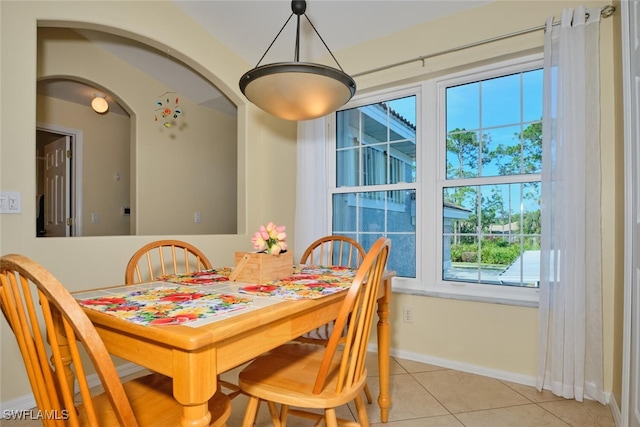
306,282
186,298
166,305
200,278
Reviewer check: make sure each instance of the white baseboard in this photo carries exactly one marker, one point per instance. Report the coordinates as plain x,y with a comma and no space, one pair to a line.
615,411
465,367
27,401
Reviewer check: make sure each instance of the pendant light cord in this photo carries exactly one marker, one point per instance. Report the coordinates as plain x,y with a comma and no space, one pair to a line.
274,40
322,40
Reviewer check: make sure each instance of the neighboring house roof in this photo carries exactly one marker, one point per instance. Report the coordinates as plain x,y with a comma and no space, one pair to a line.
397,115
454,211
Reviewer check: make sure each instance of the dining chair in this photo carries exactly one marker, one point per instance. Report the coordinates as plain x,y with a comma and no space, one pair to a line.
164,257
52,332
332,250
308,376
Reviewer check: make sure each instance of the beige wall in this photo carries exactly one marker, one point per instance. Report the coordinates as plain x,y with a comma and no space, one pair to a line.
483,337
202,141
105,152
87,262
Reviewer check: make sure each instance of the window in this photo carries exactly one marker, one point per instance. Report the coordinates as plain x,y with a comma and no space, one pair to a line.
493,149
456,188
376,177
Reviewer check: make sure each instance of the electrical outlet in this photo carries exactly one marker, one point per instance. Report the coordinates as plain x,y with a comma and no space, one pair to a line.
197,217
407,314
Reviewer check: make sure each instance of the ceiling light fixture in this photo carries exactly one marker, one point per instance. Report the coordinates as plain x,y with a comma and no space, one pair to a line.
297,90
99,104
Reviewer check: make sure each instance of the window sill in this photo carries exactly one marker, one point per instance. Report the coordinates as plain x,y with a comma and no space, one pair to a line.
468,297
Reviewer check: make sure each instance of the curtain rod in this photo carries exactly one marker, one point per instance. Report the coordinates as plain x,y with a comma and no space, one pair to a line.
606,12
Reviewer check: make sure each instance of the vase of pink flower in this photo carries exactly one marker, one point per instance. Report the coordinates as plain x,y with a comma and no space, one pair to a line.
272,261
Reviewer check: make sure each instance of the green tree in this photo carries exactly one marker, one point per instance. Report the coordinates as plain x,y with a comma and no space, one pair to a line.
523,157
466,147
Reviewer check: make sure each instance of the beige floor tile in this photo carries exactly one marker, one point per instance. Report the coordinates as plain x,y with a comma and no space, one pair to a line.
514,416
440,421
532,393
577,414
460,392
414,367
239,404
372,366
421,394
409,400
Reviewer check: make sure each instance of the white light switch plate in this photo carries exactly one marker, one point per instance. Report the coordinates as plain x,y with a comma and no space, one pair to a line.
10,202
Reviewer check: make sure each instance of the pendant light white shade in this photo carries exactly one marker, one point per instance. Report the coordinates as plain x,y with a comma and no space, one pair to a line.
297,90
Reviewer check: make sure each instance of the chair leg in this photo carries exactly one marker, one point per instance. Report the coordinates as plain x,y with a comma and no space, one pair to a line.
367,393
363,418
251,412
235,390
330,417
284,415
273,411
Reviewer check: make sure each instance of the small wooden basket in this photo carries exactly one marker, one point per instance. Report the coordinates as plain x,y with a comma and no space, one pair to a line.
256,267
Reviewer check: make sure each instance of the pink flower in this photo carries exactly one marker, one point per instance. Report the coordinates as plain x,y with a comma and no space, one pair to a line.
259,242
270,239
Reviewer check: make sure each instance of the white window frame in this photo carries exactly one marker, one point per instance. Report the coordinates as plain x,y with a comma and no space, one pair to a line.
430,180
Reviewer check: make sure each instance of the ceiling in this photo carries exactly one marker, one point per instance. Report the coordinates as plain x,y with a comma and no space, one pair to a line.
247,27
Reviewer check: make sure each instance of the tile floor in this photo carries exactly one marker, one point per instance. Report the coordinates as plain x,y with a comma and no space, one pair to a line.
424,395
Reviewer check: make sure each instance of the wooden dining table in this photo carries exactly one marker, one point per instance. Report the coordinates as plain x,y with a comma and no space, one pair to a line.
195,353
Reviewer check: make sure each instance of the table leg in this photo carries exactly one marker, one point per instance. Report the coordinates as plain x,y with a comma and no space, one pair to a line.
384,342
194,383
196,416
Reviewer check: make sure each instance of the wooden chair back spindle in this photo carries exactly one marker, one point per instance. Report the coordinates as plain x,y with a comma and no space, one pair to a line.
24,286
334,250
163,257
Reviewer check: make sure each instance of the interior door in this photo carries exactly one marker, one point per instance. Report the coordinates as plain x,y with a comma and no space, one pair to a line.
56,188
631,369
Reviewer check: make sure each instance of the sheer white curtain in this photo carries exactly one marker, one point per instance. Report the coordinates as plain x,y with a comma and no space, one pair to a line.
570,340
311,220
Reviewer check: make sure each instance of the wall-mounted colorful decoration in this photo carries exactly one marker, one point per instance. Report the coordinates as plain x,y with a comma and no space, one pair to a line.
168,109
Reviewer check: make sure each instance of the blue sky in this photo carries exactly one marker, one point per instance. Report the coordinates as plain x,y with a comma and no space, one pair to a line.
501,102
497,107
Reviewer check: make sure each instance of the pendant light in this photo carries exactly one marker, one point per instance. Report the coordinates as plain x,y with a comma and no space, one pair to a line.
297,90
